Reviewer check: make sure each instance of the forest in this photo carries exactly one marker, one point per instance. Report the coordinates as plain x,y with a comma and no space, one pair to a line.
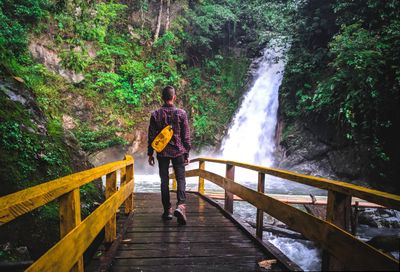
78,77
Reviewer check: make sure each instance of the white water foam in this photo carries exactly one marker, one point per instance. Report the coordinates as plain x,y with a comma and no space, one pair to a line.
251,137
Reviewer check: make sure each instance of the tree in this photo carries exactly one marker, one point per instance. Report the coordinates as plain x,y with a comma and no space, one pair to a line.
167,22
157,33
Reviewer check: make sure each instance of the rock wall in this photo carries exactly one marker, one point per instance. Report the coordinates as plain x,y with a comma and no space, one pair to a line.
318,150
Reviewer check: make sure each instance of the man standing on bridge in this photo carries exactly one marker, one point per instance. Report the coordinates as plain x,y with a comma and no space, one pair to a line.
177,151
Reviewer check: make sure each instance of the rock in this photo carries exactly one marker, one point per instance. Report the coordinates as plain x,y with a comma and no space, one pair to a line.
79,158
17,92
23,253
52,61
114,153
81,107
379,218
68,122
386,243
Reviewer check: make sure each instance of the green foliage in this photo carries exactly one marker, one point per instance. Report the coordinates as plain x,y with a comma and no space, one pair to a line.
15,18
92,140
30,152
74,60
94,26
343,69
219,24
214,95
208,22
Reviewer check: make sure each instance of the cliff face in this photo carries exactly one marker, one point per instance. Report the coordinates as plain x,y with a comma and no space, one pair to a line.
318,150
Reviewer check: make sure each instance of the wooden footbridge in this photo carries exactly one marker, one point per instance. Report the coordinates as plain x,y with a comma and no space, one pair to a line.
137,239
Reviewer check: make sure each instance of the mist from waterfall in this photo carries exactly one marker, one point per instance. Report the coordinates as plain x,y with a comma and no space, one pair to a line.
251,138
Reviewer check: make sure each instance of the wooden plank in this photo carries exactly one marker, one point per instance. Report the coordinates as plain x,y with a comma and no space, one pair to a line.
266,246
371,195
70,217
199,260
229,174
260,213
111,226
78,240
152,243
344,246
125,251
184,234
106,260
244,267
203,245
201,180
19,203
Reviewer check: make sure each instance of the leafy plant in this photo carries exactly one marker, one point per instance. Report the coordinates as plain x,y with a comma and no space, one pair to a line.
92,140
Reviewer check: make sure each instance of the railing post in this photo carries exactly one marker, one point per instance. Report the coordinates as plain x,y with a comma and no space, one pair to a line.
338,212
129,175
174,184
229,174
260,213
111,226
70,217
201,179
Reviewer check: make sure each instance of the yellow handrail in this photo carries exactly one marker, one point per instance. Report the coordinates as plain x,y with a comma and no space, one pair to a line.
385,199
76,235
332,234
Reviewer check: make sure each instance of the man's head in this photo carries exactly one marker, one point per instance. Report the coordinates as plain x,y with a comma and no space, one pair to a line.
168,94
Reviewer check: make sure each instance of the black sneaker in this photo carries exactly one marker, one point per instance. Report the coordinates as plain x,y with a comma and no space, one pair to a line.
167,215
179,213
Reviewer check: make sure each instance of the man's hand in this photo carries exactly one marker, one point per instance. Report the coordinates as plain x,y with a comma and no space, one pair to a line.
187,161
151,160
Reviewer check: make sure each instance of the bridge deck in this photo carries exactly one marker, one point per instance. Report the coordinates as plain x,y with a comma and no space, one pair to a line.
209,242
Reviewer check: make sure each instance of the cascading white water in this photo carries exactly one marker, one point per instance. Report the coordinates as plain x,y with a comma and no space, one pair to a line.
251,137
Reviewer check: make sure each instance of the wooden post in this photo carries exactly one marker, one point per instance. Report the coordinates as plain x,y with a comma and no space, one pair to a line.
70,217
122,176
260,213
174,184
111,226
128,177
201,180
338,212
354,219
229,174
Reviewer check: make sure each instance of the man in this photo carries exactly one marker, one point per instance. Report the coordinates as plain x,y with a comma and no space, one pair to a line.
177,151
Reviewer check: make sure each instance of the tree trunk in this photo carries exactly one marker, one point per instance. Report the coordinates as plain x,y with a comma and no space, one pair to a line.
168,16
158,21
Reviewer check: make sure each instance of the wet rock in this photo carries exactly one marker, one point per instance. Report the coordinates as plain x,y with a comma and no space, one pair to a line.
23,253
114,153
379,218
386,243
14,253
17,92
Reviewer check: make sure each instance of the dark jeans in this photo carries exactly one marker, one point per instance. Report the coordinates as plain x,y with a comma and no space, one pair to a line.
178,164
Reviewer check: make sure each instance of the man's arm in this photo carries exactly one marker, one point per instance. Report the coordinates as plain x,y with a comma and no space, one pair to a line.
150,137
186,135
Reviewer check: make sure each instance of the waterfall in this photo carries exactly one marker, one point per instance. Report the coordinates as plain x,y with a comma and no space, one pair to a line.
251,138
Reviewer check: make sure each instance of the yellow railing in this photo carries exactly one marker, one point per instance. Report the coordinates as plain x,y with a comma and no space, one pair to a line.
76,236
342,251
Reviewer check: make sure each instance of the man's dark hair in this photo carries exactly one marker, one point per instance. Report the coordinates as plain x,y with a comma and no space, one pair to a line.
168,93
